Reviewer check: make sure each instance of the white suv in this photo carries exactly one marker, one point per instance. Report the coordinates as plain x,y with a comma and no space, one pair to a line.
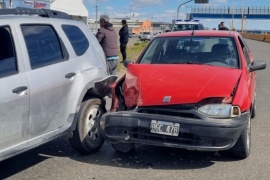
146,36
53,80
186,25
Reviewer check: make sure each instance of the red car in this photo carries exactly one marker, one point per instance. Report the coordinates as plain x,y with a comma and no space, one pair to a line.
191,89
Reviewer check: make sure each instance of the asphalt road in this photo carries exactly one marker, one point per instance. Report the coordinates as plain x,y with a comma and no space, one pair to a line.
57,160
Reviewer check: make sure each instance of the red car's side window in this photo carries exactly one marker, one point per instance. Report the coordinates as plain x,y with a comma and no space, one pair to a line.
245,51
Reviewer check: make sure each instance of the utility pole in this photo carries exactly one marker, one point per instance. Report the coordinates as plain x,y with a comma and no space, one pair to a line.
96,14
232,15
242,20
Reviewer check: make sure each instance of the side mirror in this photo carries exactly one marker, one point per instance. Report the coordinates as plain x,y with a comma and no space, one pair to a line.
126,62
167,30
259,65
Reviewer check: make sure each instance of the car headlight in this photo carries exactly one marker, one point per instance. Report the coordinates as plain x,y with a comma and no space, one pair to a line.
220,110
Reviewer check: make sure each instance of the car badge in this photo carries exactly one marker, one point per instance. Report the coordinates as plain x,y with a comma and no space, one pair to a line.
167,99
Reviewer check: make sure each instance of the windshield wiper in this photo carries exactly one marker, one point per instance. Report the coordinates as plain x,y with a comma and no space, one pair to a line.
190,62
187,62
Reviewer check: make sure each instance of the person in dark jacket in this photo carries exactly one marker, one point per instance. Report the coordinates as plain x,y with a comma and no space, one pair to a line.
123,33
107,38
223,27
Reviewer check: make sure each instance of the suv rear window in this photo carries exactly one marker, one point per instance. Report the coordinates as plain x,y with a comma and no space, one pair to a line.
184,27
77,39
8,63
42,44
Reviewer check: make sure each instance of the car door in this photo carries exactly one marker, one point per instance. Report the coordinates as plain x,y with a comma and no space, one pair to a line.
250,75
51,76
14,96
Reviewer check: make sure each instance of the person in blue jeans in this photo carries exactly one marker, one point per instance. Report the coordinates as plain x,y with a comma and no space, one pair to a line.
107,38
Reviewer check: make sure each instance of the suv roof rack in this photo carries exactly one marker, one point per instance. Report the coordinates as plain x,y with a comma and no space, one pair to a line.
40,12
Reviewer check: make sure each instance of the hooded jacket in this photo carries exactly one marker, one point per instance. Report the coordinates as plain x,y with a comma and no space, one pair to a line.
107,38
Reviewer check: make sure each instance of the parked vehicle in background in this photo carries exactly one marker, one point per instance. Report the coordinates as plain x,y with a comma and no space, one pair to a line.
186,25
94,31
140,35
146,36
195,91
131,35
53,78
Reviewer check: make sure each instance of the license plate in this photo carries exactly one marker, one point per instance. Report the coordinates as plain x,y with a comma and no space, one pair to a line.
165,128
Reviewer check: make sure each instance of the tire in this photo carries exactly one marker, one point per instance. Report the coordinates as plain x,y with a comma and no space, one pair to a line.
241,149
87,137
123,147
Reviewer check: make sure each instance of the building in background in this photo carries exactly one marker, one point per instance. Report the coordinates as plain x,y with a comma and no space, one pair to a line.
35,4
135,26
2,5
78,11
75,8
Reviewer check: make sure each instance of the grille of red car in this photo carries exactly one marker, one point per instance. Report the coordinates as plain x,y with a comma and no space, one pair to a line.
178,111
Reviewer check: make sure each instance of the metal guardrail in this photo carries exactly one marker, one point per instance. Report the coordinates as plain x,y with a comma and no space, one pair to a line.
258,37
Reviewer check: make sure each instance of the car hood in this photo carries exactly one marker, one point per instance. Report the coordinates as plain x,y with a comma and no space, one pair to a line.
148,85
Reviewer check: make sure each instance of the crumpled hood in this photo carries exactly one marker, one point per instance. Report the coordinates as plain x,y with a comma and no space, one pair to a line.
151,85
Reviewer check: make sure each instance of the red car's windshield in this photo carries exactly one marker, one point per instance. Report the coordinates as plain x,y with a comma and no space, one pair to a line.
215,51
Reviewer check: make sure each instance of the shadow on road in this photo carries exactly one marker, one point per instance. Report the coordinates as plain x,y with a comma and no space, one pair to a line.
143,157
14,165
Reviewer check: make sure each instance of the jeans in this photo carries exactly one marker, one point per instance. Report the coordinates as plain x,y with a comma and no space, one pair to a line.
112,66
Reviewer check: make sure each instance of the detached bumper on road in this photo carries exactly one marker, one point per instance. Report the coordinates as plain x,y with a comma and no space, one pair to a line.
194,133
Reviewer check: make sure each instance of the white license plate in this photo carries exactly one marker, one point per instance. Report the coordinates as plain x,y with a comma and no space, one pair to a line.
166,128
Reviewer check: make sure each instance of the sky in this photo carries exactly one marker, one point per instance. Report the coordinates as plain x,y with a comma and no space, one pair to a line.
166,10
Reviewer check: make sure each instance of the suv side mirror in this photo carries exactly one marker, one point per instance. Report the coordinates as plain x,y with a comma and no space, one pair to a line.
126,62
259,65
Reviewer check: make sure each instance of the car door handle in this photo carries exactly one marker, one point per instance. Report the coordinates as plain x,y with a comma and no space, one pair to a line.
19,89
70,75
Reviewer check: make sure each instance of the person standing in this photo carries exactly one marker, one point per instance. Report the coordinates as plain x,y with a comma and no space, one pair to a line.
223,27
123,33
107,38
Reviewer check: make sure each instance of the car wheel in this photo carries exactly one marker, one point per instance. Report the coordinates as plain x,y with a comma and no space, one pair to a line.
87,137
253,110
242,147
123,147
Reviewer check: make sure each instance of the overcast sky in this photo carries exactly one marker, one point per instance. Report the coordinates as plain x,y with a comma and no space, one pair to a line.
165,10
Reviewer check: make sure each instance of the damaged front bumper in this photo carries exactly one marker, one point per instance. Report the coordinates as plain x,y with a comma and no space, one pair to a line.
195,133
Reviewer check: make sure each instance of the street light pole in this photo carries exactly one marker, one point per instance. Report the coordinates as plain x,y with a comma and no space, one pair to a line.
242,20
180,6
232,15
96,14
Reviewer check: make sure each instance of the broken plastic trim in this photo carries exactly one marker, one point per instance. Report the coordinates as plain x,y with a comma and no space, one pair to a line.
103,87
